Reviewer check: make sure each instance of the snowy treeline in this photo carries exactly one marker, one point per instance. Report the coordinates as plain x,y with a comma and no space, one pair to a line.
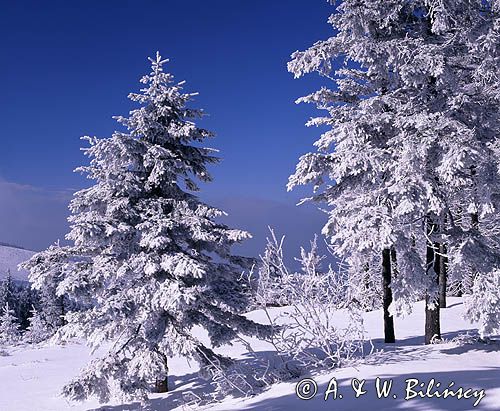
19,297
27,315
409,162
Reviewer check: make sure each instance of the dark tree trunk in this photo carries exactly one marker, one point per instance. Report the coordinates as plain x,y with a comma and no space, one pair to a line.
443,274
474,216
162,385
387,299
432,322
63,310
474,221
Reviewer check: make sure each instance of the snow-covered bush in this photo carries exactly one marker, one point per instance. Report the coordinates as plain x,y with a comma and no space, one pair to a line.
267,285
237,379
271,271
322,325
326,328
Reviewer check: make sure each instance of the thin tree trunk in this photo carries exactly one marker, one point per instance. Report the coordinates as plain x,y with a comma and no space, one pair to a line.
162,384
474,220
474,216
389,336
468,278
468,282
432,321
63,310
443,274
460,286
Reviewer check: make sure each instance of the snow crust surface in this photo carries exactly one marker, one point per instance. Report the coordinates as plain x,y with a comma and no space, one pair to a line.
31,377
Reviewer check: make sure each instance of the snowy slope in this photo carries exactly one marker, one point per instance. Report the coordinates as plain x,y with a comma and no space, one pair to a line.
10,257
468,365
34,375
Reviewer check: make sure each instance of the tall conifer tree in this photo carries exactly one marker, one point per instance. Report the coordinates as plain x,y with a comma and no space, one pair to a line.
150,259
412,120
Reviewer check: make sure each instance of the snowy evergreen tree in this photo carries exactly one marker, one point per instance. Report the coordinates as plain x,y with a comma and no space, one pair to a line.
26,297
412,121
149,258
9,326
38,329
19,296
483,305
46,274
7,291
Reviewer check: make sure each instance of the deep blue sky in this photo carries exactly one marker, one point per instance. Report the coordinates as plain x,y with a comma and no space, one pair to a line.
67,67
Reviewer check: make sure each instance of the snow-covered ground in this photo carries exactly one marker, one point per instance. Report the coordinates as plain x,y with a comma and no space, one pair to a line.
30,378
10,257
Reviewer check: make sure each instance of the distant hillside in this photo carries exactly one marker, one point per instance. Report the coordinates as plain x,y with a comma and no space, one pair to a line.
11,245
10,257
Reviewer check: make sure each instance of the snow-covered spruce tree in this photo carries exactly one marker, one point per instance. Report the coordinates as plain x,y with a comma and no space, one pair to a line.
149,255
38,329
7,291
475,257
483,305
9,326
413,111
19,296
26,297
351,169
46,270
